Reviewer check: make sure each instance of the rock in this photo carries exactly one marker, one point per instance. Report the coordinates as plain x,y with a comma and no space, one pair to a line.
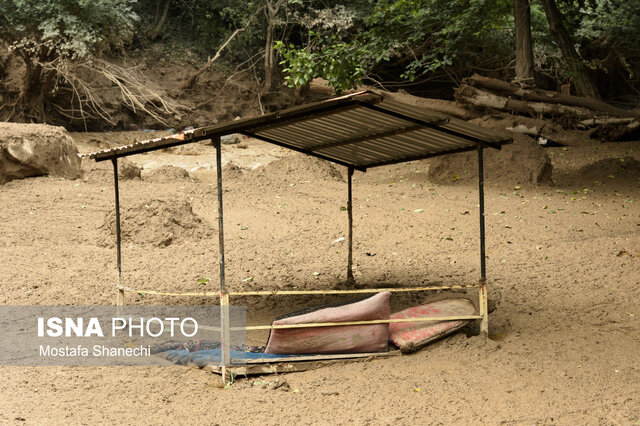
103,171
282,384
230,139
231,171
36,150
523,162
128,169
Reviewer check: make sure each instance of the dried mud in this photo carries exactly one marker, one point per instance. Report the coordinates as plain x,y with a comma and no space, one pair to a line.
563,266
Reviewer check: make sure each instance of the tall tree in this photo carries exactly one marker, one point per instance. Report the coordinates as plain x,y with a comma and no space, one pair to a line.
272,7
583,79
524,45
160,19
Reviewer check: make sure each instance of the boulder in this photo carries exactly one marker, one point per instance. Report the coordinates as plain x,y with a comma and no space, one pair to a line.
36,150
230,139
231,171
128,169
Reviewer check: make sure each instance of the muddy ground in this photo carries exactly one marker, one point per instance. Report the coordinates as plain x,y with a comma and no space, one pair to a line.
563,267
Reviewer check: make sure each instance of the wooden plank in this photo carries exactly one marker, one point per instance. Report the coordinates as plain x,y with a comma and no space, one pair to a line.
335,324
354,291
484,324
296,292
225,341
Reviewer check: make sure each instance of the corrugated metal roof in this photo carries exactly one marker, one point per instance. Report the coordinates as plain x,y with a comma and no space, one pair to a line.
360,130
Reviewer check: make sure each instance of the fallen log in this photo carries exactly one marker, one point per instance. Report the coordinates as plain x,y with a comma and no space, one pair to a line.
192,79
541,138
320,87
188,84
591,122
545,96
481,98
440,105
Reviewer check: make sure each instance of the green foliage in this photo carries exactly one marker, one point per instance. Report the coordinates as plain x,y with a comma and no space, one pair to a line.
610,18
610,28
424,35
202,26
435,33
604,33
416,40
333,49
342,64
211,22
344,42
49,35
48,29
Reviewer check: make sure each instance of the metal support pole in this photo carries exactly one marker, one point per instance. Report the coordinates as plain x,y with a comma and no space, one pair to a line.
225,358
120,296
216,142
350,214
483,265
484,311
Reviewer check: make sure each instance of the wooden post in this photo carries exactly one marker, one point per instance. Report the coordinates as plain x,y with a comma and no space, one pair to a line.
484,322
524,43
120,297
225,337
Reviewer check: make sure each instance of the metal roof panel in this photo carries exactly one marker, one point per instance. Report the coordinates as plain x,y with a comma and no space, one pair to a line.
362,130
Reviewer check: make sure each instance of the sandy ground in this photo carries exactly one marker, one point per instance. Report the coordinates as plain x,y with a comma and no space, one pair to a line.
563,267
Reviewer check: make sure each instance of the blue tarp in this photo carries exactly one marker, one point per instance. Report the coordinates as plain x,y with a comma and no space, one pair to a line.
202,358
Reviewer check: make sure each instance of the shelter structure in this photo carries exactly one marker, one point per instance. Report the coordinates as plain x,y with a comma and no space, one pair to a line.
359,131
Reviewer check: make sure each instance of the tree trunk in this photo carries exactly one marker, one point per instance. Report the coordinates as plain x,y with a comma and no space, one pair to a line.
598,121
270,12
268,59
524,45
156,30
272,8
583,80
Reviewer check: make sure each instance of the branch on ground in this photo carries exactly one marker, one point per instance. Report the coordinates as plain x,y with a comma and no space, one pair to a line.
192,80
